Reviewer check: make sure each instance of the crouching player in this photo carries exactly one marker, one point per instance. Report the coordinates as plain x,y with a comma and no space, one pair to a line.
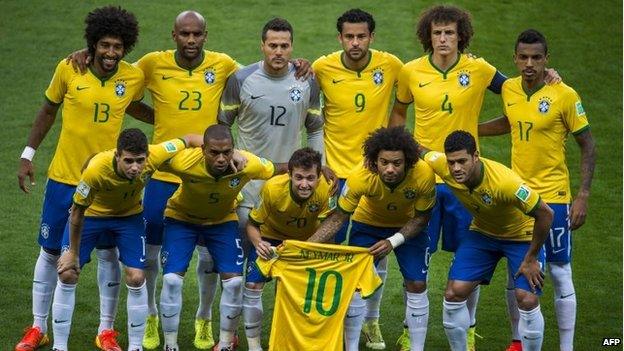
291,207
107,201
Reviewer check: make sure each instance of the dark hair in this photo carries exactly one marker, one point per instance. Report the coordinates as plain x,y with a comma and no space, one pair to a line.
460,140
279,25
111,21
305,158
442,14
356,16
390,139
217,132
132,140
531,36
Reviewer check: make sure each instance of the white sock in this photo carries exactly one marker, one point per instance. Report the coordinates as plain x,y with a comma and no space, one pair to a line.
472,302
44,283
531,329
62,311
151,269
170,306
230,309
456,321
512,305
252,312
374,302
565,303
207,282
137,315
353,322
109,278
417,318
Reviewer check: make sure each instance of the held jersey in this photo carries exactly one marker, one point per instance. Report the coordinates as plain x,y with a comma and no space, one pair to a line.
540,123
444,101
374,203
185,100
281,217
315,285
499,204
93,111
355,104
204,199
107,193
270,111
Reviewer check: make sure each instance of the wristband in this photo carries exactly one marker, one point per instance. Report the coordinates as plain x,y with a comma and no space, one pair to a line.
28,153
396,240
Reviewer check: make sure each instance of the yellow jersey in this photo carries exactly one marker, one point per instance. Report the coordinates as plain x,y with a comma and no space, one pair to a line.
444,101
107,193
185,101
500,204
355,104
373,202
540,123
315,285
93,111
280,217
206,200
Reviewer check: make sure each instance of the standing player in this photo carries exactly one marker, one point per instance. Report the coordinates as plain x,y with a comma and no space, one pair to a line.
107,203
539,118
357,85
503,207
270,107
390,196
291,207
204,206
93,110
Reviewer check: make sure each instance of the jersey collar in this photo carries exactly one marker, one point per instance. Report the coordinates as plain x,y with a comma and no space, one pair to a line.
103,80
370,58
445,72
190,70
530,92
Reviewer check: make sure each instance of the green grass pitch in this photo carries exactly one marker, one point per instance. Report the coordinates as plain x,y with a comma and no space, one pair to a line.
585,43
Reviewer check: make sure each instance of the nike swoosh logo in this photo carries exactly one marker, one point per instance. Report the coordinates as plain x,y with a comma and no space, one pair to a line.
256,97
557,251
423,271
357,315
208,272
511,103
418,315
142,259
166,77
337,81
56,321
249,328
564,296
136,325
169,316
238,263
420,85
111,284
81,88
527,338
230,317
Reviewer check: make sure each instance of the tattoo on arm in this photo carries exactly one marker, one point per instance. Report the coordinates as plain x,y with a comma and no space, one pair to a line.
588,158
415,225
329,227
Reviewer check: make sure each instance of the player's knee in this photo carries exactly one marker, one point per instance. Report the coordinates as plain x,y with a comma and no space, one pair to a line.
526,300
415,286
134,277
233,285
254,286
458,291
70,276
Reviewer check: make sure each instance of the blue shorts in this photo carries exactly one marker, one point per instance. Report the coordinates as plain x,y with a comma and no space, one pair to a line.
450,217
558,245
253,273
412,256
341,235
57,201
127,233
157,192
477,256
222,241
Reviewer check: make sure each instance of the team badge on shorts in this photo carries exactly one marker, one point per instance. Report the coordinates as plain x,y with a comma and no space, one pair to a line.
486,197
544,105
210,76
295,94
120,88
234,182
464,79
45,230
314,207
378,76
409,193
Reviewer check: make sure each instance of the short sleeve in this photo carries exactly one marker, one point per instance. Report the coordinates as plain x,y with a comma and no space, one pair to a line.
427,198
258,167
351,193
86,188
230,101
267,268
139,88
146,65
314,118
58,85
160,153
403,92
369,281
260,213
437,162
524,198
574,115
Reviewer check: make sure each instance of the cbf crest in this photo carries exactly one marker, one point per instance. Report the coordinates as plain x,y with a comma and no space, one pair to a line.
210,76
543,106
314,207
409,193
464,78
378,76
234,182
120,88
295,93
486,197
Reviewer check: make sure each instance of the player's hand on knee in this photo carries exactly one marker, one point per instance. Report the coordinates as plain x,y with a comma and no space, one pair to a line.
303,69
380,249
532,271
68,262
264,250
26,169
79,60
